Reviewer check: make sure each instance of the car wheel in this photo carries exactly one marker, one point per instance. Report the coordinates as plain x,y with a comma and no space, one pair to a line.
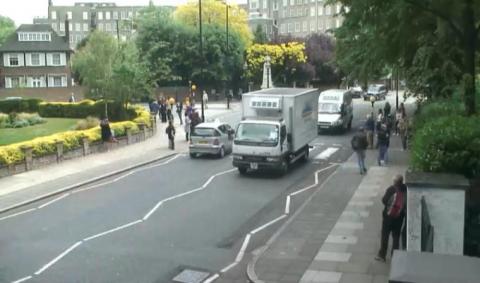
221,154
242,170
193,155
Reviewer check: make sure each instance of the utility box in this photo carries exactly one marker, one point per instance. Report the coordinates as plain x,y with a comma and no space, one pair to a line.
435,212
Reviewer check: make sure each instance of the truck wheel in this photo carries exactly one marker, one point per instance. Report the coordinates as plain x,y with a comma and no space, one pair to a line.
193,155
305,154
350,124
242,170
284,167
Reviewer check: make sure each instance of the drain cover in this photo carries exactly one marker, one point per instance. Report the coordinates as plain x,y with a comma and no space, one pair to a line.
191,276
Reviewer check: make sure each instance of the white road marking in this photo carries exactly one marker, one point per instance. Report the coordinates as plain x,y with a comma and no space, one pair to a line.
287,205
113,230
228,267
152,210
23,279
326,153
182,194
268,224
241,253
211,278
316,181
18,213
59,257
54,200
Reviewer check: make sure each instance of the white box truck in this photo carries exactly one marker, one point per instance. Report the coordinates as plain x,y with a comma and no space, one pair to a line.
277,125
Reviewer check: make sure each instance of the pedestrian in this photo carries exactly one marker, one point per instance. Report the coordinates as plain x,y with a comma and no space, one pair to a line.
403,131
72,98
195,120
372,100
154,107
380,116
370,127
386,109
205,99
359,145
394,201
170,131
163,111
169,114
187,126
179,111
382,143
106,132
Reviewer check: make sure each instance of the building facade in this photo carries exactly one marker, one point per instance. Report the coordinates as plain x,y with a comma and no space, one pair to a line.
85,16
35,56
297,18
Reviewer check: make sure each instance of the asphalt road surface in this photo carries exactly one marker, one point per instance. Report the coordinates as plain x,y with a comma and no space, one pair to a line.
149,224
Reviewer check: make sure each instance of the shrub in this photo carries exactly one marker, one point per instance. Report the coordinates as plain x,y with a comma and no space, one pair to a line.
20,105
88,123
86,108
448,144
20,120
437,109
4,120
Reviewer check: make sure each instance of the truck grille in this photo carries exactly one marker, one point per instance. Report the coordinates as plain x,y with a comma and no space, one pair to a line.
252,158
327,124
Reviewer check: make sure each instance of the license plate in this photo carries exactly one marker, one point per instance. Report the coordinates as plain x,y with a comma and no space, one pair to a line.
254,166
203,142
324,127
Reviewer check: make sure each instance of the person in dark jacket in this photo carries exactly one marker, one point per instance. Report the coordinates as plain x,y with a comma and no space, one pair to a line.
386,109
392,223
106,131
359,145
170,131
383,141
163,111
370,127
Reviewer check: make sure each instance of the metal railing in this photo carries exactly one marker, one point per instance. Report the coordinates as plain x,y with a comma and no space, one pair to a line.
427,228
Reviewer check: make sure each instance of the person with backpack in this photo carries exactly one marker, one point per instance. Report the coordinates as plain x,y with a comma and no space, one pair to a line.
170,131
359,145
395,202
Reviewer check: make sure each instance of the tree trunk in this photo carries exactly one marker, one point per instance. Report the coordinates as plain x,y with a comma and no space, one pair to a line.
469,56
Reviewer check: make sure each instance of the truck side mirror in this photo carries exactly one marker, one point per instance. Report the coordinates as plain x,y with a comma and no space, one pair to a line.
283,133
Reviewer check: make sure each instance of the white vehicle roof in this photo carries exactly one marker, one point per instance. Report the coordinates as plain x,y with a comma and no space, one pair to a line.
269,122
215,124
330,94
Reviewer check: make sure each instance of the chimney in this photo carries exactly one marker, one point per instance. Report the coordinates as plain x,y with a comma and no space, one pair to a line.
67,29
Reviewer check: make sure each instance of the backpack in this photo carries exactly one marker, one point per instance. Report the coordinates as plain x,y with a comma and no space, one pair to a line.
396,203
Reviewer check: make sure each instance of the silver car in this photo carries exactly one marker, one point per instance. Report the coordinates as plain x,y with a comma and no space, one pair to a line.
214,138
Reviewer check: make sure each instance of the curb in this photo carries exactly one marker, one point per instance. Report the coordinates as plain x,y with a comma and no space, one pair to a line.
257,253
89,181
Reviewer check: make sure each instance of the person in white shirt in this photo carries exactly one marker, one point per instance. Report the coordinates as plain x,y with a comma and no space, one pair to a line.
205,99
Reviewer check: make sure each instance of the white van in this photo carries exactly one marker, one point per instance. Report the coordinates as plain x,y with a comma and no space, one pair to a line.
335,110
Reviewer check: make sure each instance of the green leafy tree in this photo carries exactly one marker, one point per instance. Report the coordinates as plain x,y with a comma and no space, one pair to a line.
430,38
259,36
7,27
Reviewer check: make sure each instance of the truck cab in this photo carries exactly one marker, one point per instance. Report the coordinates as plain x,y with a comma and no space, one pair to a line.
335,110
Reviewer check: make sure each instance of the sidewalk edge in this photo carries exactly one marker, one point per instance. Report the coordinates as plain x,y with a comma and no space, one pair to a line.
83,183
257,253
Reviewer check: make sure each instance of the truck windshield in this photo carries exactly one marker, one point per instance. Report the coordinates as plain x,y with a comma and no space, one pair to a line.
257,134
328,108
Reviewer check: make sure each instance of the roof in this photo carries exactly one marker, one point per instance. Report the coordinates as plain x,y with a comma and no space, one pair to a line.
209,125
57,43
334,91
284,91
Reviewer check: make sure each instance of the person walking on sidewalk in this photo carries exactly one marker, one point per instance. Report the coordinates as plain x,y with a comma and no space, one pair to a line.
179,111
205,99
382,143
370,127
187,126
170,131
359,145
386,109
393,213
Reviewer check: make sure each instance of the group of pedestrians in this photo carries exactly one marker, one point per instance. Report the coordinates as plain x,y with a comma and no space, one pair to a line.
380,128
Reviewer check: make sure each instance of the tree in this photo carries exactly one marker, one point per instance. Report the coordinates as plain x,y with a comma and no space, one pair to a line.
214,12
415,34
320,52
284,58
7,27
259,36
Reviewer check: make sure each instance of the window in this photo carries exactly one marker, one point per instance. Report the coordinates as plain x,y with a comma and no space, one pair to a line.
100,15
285,3
107,15
53,15
69,15
275,5
14,60
54,26
297,27
327,25
57,81
122,15
35,59
283,28
292,2
100,26
264,4
328,10
305,26
70,27
62,26
312,11
36,81
320,11
290,27
15,82
115,15
78,38
78,27
312,26
130,14
85,27
338,8
56,59
108,27
85,15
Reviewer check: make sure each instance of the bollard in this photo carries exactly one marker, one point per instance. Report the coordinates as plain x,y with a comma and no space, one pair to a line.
143,130
128,131
86,146
28,152
59,145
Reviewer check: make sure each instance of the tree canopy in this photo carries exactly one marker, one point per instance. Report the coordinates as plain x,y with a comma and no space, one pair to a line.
7,27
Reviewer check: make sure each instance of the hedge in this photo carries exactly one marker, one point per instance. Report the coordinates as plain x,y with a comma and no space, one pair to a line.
20,105
13,153
86,108
448,144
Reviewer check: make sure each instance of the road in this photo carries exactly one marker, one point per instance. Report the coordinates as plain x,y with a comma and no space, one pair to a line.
149,224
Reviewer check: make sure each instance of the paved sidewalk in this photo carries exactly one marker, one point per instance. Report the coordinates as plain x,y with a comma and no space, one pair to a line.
314,248
32,184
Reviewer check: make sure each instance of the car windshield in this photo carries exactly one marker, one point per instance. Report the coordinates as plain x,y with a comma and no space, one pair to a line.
328,108
205,132
374,88
262,133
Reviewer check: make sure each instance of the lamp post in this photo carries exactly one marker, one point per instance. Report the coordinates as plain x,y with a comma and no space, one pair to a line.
201,51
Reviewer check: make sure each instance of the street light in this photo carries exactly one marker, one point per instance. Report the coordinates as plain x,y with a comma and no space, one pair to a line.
201,51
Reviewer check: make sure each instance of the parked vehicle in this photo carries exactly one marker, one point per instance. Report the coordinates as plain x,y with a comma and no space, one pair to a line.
335,110
214,138
276,128
379,91
357,92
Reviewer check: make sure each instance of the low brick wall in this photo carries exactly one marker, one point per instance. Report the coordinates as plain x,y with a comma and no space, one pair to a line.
32,163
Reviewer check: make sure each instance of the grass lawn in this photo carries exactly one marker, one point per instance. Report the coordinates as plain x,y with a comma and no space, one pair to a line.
52,126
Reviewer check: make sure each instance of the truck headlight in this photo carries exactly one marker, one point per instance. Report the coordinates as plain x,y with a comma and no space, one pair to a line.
237,157
338,122
272,159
